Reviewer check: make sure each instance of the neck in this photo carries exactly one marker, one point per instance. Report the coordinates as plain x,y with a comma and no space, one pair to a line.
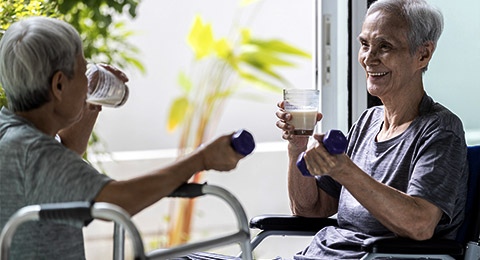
43,119
400,112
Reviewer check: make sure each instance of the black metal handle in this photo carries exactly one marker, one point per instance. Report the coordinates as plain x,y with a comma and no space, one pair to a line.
188,190
68,211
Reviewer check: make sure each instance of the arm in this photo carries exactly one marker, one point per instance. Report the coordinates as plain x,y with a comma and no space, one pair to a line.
405,215
76,136
138,193
306,199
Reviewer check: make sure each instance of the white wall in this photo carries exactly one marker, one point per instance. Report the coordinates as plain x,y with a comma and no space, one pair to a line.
162,29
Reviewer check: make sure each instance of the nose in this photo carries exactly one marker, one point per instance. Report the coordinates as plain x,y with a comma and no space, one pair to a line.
370,57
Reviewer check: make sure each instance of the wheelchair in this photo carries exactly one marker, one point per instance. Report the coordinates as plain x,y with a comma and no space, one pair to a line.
465,246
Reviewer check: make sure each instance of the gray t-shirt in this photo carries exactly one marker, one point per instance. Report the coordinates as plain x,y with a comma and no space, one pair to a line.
428,160
36,169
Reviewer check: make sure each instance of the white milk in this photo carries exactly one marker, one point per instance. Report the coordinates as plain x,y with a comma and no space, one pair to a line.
304,121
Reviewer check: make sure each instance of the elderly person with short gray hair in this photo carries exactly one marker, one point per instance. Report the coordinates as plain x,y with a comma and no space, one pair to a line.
42,70
404,172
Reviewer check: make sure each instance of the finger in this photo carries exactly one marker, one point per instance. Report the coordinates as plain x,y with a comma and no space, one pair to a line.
284,126
315,163
319,116
283,115
281,104
116,71
327,158
318,137
287,136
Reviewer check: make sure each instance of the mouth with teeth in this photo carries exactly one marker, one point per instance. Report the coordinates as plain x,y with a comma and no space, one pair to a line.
377,74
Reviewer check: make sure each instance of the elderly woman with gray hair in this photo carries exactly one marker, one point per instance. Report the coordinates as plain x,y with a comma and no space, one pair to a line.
404,172
42,70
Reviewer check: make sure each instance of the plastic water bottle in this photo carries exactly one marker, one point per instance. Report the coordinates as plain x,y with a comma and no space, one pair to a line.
242,142
335,143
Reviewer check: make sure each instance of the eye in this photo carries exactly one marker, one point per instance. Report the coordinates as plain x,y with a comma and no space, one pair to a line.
364,45
385,47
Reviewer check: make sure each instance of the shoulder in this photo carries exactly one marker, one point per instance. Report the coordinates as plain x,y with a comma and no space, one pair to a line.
437,118
368,119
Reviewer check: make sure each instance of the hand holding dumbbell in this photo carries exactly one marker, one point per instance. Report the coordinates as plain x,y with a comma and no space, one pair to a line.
335,143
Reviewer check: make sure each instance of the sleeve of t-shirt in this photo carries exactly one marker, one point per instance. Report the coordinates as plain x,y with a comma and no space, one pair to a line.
438,168
55,174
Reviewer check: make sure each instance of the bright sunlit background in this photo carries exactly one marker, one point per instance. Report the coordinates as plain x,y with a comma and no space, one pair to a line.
136,134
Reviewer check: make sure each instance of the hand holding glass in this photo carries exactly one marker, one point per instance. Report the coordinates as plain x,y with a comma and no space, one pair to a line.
302,104
105,88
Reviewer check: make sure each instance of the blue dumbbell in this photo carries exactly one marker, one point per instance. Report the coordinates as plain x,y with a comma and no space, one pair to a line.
335,143
242,142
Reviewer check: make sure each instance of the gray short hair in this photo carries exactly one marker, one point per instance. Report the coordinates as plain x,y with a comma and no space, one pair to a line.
32,50
425,22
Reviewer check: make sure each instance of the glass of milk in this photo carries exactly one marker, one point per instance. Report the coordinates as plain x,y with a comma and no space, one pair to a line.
104,88
302,104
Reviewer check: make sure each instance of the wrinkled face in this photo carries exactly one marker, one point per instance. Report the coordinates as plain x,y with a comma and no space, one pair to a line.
385,54
76,91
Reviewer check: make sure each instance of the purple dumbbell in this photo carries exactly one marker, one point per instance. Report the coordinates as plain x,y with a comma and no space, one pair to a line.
242,142
335,143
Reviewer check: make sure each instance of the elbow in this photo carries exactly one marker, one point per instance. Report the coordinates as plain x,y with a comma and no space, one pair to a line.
418,232
301,211
420,236
310,212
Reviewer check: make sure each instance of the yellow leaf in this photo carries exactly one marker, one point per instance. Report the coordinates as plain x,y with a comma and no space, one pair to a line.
222,48
279,46
178,110
247,2
201,38
184,82
246,35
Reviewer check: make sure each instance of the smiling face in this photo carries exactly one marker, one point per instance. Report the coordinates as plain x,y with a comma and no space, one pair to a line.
385,56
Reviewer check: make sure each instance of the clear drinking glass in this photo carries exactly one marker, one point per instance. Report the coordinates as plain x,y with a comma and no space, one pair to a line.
302,104
104,88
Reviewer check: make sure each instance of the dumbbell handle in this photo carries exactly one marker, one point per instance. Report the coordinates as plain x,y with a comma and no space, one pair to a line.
335,143
243,142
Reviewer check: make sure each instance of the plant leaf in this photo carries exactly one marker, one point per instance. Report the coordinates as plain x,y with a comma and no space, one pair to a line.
279,46
201,38
263,58
222,48
246,35
184,82
179,108
259,82
247,2
222,94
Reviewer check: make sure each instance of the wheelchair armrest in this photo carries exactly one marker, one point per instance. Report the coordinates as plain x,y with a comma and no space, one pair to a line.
290,223
397,245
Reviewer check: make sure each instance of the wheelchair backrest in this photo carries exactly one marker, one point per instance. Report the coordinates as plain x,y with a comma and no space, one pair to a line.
469,231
